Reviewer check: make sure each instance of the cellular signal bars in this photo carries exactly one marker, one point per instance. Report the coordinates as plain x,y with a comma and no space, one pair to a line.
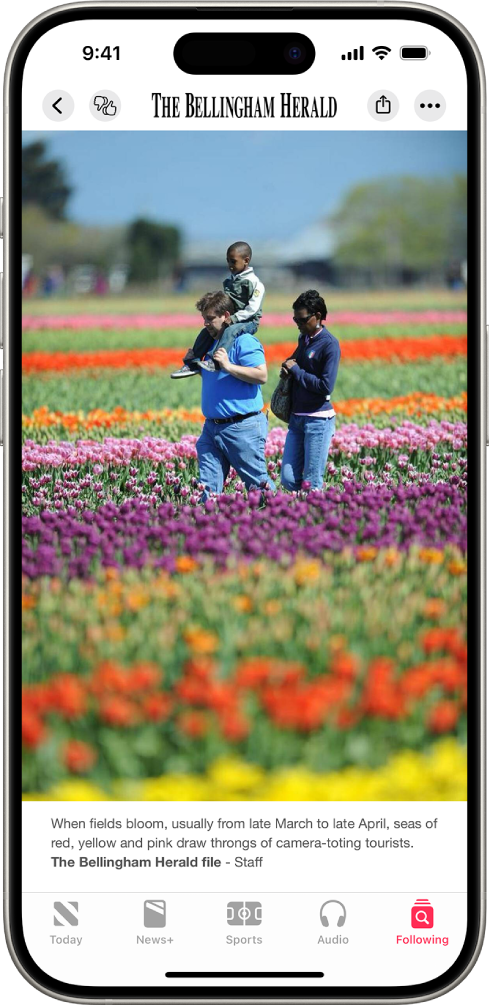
355,54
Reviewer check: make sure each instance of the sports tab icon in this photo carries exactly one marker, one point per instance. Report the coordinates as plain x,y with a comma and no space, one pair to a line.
244,912
155,913
422,914
65,912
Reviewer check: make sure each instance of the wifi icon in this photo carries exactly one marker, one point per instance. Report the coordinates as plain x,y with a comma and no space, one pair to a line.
381,51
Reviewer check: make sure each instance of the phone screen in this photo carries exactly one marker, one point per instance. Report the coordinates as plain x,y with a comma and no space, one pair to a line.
243,300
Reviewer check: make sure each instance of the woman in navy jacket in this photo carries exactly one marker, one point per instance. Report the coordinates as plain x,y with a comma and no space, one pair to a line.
313,368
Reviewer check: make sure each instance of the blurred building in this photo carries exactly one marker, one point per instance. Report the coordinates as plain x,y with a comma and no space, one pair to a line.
305,258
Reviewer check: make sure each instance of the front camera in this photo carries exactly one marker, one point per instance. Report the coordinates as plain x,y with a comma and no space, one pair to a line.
294,54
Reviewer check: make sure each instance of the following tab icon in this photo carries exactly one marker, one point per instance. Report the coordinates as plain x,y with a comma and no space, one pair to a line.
422,914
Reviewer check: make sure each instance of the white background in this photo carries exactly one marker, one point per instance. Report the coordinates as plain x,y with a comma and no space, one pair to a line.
377,887
52,60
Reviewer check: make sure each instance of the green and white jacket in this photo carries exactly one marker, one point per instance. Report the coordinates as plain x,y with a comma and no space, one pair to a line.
247,292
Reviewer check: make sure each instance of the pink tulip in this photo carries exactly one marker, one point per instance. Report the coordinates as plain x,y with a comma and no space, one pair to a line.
190,320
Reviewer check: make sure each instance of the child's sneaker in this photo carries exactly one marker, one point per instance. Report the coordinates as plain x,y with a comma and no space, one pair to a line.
184,372
207,365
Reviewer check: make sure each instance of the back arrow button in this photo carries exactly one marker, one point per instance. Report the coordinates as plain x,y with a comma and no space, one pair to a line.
58,105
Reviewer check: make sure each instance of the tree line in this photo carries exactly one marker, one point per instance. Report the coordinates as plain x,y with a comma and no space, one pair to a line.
151,249
405,226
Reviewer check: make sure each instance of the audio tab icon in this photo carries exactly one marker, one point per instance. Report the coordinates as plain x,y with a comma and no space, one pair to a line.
335,914
356,54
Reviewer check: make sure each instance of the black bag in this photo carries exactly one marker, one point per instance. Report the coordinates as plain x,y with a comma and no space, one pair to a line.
281,399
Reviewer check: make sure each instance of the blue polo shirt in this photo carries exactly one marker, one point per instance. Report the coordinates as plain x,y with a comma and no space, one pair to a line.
223,395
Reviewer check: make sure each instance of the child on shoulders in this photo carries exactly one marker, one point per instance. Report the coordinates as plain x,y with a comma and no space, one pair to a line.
247,293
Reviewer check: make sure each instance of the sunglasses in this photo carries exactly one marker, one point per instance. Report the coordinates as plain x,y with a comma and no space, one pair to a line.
301,321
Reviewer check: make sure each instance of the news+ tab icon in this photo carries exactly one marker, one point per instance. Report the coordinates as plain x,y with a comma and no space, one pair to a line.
154,913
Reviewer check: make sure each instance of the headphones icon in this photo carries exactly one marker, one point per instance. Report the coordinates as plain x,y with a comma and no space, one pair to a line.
323,916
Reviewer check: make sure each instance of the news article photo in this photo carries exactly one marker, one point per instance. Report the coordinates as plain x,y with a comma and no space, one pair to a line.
244,465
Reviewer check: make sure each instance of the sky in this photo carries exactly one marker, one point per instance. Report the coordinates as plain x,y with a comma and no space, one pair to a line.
269,185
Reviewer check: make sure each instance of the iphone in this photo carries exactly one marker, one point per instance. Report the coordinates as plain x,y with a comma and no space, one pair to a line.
244,349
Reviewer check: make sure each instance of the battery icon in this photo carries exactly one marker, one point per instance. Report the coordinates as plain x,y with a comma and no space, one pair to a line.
414,52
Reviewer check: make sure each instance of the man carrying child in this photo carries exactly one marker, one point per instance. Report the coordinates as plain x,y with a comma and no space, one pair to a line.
246,292
235,428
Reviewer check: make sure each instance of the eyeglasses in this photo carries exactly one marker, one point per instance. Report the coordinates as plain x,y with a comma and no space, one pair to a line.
301,321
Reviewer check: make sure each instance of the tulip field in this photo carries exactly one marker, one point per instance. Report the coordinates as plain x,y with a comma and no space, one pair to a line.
258,647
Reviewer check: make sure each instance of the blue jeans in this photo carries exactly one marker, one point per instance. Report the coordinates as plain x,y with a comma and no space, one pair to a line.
241,445
205,341
305,451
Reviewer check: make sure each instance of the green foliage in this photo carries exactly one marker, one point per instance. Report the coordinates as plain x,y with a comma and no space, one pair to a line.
66,243
406,299
153,248
406,223
44,181
143,389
